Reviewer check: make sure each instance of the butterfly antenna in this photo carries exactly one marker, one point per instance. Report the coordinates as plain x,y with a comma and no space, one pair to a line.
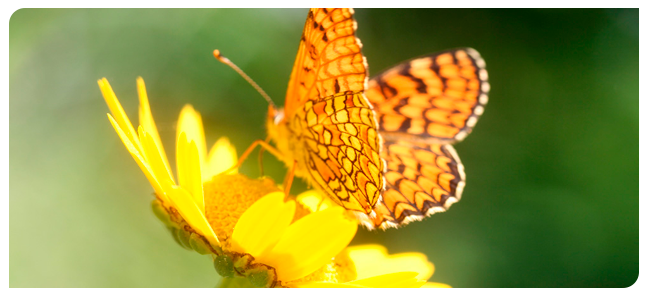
223,59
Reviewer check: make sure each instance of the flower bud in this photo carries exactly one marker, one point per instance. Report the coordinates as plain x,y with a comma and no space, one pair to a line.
224,266
261,277
199,245
184,238
161,213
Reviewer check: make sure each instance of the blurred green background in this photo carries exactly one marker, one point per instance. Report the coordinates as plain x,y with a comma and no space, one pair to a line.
552,167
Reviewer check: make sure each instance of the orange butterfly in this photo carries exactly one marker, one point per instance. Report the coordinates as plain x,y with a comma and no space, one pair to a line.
389,164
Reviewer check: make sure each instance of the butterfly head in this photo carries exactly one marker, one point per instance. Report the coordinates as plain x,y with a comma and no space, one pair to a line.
285,141
274,124
275,115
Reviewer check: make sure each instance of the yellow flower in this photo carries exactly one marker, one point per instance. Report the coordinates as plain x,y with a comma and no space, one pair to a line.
255,236
193,165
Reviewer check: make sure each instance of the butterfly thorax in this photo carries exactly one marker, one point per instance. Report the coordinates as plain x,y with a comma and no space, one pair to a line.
288,142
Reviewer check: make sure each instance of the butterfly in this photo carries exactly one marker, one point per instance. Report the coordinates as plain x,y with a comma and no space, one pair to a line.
381,149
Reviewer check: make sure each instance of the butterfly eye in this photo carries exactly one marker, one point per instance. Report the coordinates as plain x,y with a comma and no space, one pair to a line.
279,116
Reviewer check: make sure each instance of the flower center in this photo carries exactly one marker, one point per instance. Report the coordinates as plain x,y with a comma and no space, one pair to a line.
227,196
341,269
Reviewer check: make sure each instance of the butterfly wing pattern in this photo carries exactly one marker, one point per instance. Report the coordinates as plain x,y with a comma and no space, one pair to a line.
329,59
423,106
435,98
421,179
328,126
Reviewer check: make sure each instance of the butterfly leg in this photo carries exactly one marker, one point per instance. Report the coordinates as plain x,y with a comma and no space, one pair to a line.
260,158
322,200
288,180
250,149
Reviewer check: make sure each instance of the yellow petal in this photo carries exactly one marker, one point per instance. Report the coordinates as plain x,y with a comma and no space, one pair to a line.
189,169
314,200
321,284
118,112
154,158
142,162
190,123
373,260
435,285
393,280
147,122
262,224
188,209
222,157
310,243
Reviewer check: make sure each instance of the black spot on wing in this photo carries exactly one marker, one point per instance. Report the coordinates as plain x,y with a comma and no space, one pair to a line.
405,125
406,72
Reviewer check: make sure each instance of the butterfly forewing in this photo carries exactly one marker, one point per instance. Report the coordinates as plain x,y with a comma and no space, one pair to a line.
433,98
329,59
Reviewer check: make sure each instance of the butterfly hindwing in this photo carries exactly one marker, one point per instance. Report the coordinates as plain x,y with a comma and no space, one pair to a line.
342,151
421,179
434,98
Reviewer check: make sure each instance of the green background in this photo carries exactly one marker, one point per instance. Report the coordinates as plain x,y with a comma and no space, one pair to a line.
552,167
